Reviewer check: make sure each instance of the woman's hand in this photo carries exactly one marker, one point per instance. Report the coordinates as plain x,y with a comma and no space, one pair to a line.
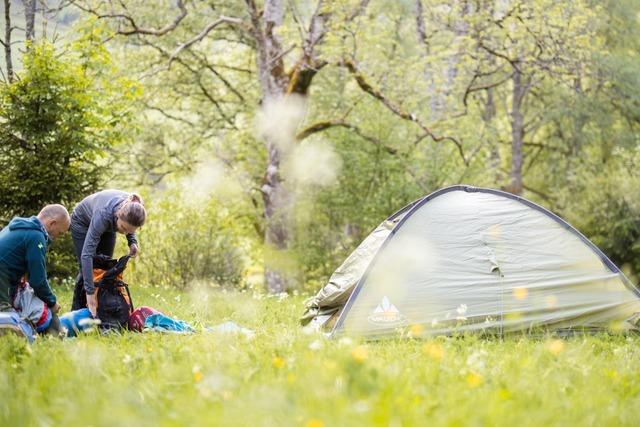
133,250
92,303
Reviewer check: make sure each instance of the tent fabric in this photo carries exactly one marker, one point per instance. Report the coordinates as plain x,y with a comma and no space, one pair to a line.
468,259
331,298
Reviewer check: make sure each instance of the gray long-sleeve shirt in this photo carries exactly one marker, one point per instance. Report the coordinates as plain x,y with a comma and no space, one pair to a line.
96,215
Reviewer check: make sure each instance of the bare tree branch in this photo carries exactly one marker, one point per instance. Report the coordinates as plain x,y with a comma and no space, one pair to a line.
471,88
203,61
168,115
322,126
203,34
362,6
134,27
366,87
215,102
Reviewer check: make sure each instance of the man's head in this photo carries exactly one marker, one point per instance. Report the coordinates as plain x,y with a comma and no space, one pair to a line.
55,219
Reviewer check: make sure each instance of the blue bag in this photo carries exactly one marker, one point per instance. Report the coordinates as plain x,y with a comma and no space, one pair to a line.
161,323
77,321
10,322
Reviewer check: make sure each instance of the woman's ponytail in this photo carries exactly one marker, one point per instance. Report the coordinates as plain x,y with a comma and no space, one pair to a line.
133,211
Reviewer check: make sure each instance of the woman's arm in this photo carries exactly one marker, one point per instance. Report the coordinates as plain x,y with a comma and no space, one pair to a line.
97,227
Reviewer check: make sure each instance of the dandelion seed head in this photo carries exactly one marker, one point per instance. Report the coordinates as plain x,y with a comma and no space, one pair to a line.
315,345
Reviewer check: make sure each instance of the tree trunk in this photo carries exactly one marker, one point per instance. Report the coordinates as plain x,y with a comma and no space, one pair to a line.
428,75
273,84
7,40
488,115
461,30
276,86
30,19
520,89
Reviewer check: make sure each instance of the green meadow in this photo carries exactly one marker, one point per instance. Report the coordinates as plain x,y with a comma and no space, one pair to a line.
268,139
287,376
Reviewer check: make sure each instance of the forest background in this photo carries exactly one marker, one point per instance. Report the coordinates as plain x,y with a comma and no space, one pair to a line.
268,138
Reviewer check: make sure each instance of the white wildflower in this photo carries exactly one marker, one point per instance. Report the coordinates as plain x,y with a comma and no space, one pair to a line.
345,341
315,345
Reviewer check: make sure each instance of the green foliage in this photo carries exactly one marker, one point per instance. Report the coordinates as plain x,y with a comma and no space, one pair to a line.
59,118
51,135
604,205
284,376
185,242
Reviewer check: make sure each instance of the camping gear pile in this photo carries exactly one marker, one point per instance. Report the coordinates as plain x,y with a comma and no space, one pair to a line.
30,316
115,305
115,310
467,259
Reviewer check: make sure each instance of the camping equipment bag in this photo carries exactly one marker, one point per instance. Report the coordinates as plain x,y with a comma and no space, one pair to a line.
77,321
31,308
114,300
139,315
11,323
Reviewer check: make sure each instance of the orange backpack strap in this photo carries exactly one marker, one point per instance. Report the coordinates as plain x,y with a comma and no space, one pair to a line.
97,274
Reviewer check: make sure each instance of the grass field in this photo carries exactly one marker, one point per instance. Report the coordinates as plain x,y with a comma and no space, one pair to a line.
285,376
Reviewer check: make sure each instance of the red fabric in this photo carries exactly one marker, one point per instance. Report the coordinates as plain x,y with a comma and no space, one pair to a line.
45,316
137,318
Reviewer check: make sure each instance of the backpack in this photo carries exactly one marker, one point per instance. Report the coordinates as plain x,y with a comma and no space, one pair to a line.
114,300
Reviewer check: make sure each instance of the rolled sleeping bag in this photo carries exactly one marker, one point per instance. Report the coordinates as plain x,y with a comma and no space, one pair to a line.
78,321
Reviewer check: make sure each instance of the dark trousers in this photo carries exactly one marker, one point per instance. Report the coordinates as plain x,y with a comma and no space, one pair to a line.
106,246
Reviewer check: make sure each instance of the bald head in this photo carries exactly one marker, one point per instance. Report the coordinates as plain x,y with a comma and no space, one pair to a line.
55,219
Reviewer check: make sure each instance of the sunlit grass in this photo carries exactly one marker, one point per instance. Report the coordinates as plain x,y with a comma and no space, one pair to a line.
285,376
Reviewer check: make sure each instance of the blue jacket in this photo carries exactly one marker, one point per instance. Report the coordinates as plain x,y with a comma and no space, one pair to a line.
23,250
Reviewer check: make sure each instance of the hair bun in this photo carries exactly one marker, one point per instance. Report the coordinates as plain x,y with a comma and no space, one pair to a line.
135,198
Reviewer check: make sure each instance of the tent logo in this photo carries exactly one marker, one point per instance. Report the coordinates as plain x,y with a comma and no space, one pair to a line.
386,314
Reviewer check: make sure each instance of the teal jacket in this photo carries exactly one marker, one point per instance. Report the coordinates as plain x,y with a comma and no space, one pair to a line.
23,249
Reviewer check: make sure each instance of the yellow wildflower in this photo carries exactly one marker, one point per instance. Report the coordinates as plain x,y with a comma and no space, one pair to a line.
556,347
360,353
278,362
416,330
474,380
433,350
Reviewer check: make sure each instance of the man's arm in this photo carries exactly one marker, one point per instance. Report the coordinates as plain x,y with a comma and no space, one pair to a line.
37,269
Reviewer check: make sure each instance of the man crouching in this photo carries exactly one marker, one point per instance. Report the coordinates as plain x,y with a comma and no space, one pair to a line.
23,249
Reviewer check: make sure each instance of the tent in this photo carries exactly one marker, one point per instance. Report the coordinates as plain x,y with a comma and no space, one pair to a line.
467,259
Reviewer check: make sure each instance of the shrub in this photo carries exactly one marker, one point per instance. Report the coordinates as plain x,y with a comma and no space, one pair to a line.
183,242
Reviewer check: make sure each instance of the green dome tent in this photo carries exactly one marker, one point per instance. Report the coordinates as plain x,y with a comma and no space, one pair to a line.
467,259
